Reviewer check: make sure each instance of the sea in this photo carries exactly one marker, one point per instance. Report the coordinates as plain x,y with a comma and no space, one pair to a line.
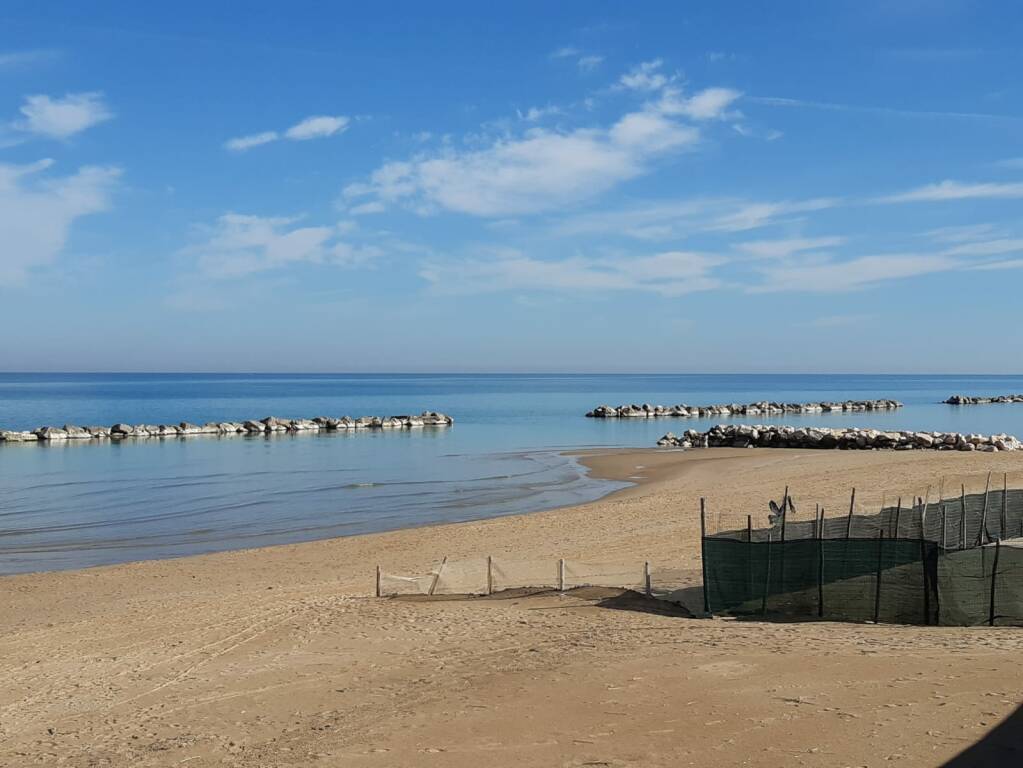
88,503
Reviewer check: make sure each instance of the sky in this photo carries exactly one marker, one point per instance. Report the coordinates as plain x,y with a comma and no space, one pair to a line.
526,187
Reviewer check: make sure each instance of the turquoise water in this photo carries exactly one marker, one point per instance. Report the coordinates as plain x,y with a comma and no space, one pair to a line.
88,503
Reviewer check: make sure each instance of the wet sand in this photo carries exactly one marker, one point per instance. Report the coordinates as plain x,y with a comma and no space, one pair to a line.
280,657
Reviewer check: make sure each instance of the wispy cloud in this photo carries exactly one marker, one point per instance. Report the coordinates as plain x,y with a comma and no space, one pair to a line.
646,76
17,59
565,52
238,245
672,273
833,276
589,63
777,101
61,118
38,211
780,249
315,127
956,190
708,104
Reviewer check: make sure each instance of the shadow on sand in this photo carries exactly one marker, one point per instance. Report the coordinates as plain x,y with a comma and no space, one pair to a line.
1003,746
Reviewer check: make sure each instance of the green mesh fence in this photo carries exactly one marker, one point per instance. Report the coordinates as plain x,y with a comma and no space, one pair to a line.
954,562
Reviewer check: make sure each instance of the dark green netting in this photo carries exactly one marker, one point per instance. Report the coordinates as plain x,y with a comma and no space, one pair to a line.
911,563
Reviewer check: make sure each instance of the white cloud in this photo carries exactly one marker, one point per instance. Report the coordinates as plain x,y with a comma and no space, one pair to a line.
589,63
239,245
565,52
645,77
780,249
708,104
537,171
37,213
956,190
995,247
243,143
1013,163
828,276
667,219
62,118
962,233
13,59
672,273
318,127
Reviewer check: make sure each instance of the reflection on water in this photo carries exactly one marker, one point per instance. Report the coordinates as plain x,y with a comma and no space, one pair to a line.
84,503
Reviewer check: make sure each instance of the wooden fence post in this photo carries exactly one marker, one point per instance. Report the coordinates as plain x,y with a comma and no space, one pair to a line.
378,581
877,577
994,570
962,498
703,552
490,575
1005,506
820,563
561,574
767,573
749,555
646,578
982,533
898,518
848,522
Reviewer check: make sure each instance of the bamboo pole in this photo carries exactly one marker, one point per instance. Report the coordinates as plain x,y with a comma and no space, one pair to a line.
852,506
749,555
646,579
378,581
561,574
923,513
490,575
898,518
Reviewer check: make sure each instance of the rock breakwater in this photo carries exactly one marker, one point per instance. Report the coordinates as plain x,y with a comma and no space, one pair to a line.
269,425
763,408
968,400
760,436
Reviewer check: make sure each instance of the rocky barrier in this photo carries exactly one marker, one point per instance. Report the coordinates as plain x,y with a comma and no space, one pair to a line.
759,436
967,400
269,425
763,408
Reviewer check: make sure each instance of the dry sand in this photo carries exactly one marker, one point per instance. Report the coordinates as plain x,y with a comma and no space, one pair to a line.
279,657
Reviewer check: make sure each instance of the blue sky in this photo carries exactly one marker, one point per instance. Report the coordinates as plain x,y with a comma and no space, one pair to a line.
795,186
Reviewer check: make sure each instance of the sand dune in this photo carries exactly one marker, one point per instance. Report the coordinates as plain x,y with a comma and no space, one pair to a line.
279,656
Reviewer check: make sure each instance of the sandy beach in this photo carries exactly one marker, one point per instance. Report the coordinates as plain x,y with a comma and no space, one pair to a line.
281,656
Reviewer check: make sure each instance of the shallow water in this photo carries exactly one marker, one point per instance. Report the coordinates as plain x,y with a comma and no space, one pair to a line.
74,504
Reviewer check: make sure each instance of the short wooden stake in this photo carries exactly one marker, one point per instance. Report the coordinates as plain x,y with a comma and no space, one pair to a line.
646,579
898,518
490,575
749,556
994,571
378,581
561,575
852,507
923,513
944,527
436,576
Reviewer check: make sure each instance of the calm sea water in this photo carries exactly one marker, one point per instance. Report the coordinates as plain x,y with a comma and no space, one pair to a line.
79,504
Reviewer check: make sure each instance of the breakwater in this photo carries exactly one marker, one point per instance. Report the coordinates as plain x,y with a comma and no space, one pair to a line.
968,400
268,425
763,408
845,438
